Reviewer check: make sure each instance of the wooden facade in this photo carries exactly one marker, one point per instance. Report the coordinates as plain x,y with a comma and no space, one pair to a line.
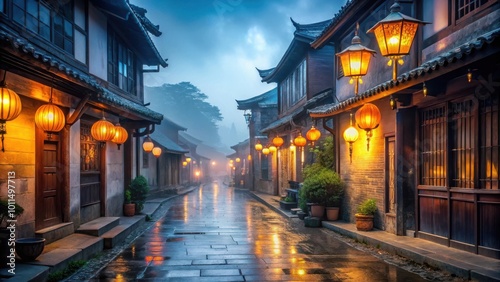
433,161
68,177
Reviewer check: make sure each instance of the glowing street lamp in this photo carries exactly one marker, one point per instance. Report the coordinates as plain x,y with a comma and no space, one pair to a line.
395,34
355,60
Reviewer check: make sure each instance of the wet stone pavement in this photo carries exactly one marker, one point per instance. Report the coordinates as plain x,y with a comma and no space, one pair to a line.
218,234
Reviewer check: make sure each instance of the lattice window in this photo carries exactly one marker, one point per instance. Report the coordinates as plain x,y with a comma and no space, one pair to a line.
433,147
89,150
489,142
462,144
465,7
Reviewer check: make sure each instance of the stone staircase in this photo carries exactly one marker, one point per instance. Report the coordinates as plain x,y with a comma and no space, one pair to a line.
66,244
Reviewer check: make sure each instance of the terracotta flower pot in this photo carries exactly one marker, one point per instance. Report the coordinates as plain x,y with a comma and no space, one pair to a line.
128,209
317,210
28,249
364,222
332,213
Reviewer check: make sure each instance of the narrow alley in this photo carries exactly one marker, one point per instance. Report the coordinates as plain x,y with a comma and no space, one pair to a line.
216,233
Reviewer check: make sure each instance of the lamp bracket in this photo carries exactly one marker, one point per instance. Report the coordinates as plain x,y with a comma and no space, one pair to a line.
148,130
329,129
403,99
80,109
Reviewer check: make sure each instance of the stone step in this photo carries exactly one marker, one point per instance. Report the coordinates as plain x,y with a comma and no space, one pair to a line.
99,226
120,232
58,254
56,232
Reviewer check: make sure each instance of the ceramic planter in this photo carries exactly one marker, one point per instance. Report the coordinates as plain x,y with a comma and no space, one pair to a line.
287,205
128,209
28,249
332,213
317,210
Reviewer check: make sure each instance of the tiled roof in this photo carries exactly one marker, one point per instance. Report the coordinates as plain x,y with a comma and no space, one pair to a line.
304,34
167,143
310,31
242,144
267,99
336,18
264,73
288,118
104,95
141,14
431,65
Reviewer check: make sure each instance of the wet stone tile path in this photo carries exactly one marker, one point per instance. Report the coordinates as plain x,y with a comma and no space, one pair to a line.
218,234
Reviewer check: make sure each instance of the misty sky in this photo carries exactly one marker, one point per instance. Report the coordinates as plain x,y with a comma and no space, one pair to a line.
217,44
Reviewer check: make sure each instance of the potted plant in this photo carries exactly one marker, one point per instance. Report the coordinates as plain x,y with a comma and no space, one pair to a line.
335,193
365,214
314,190
139,190
287,203
128,206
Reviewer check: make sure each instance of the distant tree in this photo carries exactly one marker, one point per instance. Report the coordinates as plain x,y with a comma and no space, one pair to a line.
185,104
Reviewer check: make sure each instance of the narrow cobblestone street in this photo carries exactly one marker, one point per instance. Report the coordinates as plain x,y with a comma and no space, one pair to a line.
218,234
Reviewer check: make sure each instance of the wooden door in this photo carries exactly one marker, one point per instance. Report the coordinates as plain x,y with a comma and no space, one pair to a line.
48,188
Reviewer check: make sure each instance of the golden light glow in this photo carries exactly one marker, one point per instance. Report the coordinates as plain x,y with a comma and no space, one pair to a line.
249,157
395,34
278,141
469,76
184,163
313,134
299,141
147,145
258,146
50,118
272,149
11,105
265,151
424,89
238,160
121,135
197,173
368,118
156,151
351,134
103,130
188,159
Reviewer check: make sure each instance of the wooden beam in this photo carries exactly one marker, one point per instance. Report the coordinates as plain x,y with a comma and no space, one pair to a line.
80,109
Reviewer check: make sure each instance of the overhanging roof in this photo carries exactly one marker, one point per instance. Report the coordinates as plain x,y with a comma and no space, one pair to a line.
287,119
304,34
430,69
19,46
136,25
168,144
267,99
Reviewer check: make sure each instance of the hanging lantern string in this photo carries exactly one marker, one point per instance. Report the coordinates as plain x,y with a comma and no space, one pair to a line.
350,119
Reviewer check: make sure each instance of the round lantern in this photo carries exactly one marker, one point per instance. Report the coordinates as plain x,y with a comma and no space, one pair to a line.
156,151
10,104
184,163
278,141
103,130
350,136
313,135
265,151
299,141
258,146
368,118
121,135
188,159
50,118
238,160
147,145
272,149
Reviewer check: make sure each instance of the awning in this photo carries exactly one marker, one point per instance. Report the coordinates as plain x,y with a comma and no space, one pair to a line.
168,144
301,110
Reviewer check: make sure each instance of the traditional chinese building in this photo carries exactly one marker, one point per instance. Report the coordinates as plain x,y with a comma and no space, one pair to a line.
304,78
432,161
87,58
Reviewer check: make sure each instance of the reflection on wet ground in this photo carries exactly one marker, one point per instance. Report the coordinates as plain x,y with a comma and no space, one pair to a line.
218,234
